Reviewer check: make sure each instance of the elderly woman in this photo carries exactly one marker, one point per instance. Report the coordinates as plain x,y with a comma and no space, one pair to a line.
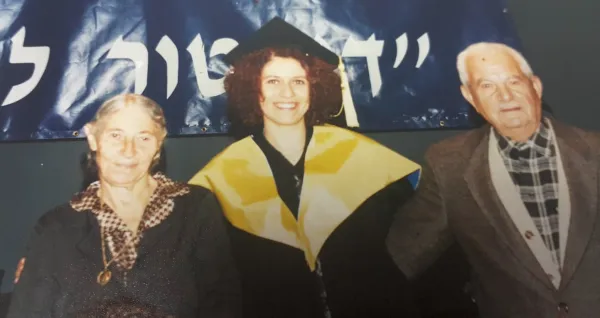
130,234
309,204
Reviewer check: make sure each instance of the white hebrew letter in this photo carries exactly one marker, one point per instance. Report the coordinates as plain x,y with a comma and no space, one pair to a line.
208,87
19,54
137,53
167,49
222,46
423,48
371,49
401,49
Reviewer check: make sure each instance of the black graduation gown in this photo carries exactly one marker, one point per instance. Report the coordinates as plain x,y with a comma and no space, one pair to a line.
352,274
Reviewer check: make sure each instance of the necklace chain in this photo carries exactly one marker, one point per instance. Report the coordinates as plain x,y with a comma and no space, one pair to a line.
105,275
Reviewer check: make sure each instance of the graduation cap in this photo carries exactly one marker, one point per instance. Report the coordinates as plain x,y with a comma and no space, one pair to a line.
277,33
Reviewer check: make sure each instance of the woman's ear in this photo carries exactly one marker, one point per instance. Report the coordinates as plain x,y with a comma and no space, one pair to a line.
89,130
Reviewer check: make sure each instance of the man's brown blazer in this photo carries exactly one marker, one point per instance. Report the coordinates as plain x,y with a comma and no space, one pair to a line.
457,202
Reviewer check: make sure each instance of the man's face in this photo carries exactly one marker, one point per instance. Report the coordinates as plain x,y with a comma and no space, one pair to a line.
506,97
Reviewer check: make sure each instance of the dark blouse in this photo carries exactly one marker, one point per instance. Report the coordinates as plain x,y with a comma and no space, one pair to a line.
183,268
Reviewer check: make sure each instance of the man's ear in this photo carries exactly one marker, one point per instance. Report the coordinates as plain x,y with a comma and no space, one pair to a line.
89,130
466,93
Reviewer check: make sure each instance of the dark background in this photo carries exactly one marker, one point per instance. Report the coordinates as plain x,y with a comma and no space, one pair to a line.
560,43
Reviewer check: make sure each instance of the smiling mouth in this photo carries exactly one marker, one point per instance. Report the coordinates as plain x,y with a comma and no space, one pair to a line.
286,106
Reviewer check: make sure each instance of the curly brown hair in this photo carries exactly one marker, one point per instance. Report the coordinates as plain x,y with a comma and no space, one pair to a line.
243,87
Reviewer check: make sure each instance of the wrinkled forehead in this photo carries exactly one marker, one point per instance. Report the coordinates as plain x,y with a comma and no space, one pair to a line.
492,64
131,118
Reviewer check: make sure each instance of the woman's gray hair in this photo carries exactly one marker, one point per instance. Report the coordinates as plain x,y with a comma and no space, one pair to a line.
119,102
112,106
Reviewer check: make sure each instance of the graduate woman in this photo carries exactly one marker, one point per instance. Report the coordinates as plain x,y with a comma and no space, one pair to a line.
309,203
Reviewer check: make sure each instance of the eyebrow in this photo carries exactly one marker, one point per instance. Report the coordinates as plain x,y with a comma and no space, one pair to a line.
276,76
479,81
121,130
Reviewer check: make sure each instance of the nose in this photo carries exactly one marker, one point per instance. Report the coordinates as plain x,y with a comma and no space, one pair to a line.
128,149
505,94
287,90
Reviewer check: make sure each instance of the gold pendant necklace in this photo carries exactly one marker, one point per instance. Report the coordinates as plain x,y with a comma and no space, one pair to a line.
105,274
104,277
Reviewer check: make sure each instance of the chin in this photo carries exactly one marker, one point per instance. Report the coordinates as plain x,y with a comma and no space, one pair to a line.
514,120
287,121
122,182
122,179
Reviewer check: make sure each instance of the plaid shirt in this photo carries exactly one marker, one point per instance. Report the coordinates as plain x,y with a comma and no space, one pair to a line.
533,168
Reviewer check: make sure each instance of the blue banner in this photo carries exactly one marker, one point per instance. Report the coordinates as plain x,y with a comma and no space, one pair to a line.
59,60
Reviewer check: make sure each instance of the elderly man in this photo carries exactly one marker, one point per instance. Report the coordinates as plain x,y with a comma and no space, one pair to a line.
519,195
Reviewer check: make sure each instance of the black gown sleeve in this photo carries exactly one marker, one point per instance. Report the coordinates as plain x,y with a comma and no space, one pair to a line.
360,275
218,280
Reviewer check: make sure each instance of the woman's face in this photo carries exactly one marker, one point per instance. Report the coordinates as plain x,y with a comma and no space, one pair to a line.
126,143
285,92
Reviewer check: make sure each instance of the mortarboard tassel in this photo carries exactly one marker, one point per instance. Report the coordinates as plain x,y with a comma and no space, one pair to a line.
347,102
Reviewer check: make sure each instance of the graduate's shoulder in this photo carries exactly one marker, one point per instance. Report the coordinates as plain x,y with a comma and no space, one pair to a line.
344,134
240,150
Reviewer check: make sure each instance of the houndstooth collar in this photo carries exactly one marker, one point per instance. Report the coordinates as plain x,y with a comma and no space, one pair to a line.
121,241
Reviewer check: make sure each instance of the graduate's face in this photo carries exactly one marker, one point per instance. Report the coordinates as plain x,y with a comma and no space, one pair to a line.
506,97
285,92
126,143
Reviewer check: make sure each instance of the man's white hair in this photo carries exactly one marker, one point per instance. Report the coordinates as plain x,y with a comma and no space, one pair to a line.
485,47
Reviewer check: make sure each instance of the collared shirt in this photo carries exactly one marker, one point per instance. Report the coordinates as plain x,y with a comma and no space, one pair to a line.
533,167
121,241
